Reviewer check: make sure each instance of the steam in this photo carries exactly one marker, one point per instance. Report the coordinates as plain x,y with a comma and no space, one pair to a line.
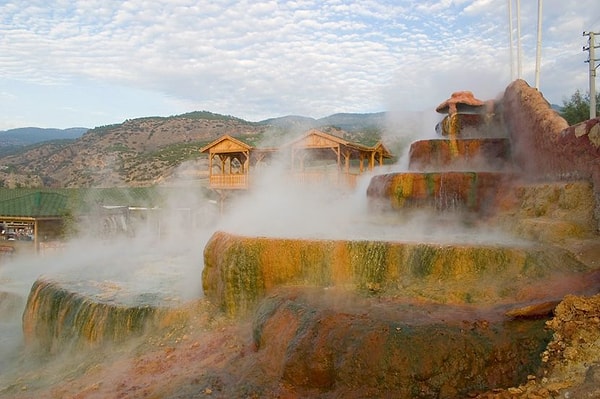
156,251
161,249
279,207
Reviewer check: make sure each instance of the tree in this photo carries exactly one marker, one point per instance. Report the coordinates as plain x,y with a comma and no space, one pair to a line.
577,109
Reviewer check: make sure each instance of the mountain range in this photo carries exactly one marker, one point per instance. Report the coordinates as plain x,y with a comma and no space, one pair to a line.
150,150
31,135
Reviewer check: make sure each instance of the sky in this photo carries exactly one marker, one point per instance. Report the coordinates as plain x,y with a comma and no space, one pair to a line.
89,63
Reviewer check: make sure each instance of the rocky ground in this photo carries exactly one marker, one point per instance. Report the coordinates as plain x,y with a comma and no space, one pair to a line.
572,359
216,357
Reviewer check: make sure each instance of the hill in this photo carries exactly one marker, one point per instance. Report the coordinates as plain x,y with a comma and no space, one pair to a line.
346,121
144,151
31,135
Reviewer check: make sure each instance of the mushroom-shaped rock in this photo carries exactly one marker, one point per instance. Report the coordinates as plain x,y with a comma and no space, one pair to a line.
460,101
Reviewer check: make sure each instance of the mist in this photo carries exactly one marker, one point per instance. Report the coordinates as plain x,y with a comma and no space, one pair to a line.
278,206
160,253
152,255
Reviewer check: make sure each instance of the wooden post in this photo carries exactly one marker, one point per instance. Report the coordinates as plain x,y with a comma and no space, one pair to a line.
246,164
36,237
347,162
246,170
222,158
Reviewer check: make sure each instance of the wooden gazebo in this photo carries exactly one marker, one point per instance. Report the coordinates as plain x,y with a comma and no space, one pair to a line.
230,159
317,146
229,162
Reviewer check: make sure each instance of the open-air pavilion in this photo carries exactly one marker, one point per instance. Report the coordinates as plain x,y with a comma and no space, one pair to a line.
316,156
230,160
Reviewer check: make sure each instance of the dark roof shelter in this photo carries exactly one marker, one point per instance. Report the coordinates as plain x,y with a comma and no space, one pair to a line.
32,219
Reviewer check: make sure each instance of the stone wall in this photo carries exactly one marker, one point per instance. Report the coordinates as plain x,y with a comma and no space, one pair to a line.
544,146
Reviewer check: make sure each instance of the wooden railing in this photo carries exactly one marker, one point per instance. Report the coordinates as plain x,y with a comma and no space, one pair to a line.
233,182
229,181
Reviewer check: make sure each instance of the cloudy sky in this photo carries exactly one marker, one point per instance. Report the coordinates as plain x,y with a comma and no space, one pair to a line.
66,63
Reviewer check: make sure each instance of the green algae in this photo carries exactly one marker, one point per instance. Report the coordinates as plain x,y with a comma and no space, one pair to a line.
368,262
421,260
400,194
241,270
315,263
56,317
430,184
473,193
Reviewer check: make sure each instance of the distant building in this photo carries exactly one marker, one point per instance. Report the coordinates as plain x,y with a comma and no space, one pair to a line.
31,220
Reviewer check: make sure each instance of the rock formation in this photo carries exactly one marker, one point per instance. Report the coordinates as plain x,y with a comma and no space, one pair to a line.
547,191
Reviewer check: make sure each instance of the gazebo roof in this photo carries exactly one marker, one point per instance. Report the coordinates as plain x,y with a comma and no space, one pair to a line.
325,139
315,138
384,150
226,143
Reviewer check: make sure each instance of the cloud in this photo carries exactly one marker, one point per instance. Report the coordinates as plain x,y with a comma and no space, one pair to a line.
265,58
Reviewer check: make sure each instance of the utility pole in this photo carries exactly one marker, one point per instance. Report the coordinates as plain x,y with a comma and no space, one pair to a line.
510,41
592,61
519,51
538,53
